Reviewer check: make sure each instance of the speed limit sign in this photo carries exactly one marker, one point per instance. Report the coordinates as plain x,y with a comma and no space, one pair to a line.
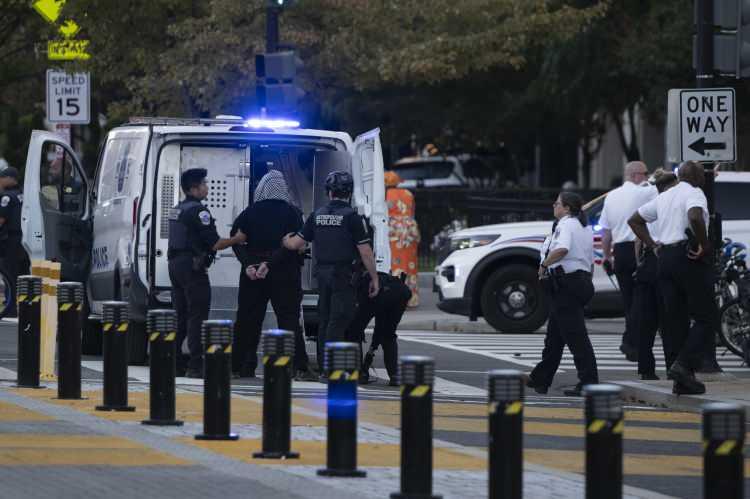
68,97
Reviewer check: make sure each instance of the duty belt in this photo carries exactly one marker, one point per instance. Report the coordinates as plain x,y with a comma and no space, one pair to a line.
674,245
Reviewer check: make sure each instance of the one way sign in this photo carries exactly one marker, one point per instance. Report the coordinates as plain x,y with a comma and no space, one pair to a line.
701,125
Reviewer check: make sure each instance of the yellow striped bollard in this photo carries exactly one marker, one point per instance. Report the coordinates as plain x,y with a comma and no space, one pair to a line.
505,393
604,427
115,324
28,298
162,332
723,456
69,323
217,372
278,352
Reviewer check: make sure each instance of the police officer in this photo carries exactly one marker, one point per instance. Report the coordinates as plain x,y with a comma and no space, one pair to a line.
685,272
193,241
619,240
340,238
387,308
265,223
566,276
14,259
648,306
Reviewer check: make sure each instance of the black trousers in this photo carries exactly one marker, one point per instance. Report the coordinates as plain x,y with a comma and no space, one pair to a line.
283,287
336,306
687,288
387,308
566,326
191,298
648,314
14,262
625,265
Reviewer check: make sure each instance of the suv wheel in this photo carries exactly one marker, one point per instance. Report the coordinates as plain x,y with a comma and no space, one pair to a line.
512,300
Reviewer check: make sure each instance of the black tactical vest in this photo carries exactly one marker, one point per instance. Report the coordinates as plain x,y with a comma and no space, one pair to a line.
180,237
334,242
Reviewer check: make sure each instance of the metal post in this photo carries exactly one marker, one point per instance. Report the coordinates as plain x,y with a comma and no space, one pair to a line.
505,393
604,426
115,322
217,369
69,323
272,29
278,352
704,78
342,368
417,375
723,458
29,300
161,327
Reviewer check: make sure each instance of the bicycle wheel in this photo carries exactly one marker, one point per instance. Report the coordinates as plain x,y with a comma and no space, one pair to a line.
6,294
735,325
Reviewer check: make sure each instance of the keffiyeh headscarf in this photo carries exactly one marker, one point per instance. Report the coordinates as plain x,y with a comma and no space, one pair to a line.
272,186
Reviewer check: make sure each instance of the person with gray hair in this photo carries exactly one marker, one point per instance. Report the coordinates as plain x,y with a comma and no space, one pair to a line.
269,272
618,241
685,273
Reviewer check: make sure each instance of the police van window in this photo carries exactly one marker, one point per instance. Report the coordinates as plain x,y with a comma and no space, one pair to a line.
122,160
61,185
731,200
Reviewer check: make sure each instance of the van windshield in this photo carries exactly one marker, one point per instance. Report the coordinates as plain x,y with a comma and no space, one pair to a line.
424,169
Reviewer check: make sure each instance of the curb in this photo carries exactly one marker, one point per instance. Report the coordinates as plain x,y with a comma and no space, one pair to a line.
636,392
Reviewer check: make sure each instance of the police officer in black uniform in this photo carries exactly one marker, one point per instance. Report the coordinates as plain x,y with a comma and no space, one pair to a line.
340,239
13,257
193,241
387,308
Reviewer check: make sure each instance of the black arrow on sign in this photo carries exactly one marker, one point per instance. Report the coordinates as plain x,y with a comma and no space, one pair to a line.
701,146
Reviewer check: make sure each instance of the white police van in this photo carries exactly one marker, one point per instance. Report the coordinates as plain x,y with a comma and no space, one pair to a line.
491,271
111,231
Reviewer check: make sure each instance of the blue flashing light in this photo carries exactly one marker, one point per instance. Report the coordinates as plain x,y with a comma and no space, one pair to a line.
597,228
273,124
342,401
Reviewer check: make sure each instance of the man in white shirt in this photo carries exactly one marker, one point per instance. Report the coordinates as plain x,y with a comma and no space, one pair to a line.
685,276
619,241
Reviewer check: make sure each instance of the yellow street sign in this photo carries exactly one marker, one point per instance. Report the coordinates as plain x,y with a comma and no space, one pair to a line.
67,50
49,9
69,29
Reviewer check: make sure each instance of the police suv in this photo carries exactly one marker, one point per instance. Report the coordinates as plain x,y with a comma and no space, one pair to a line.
491,271
111,231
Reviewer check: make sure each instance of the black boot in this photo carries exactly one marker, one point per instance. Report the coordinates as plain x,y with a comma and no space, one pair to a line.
390,357
364,375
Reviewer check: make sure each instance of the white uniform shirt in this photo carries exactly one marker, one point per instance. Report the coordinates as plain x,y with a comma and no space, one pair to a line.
670,208
620,205
578,240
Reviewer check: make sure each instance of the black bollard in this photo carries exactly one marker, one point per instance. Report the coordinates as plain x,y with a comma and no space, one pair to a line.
29,300
604,427
115,354
69,323
278,352
162,331
505,392
342,368
417,376
723,457
217,372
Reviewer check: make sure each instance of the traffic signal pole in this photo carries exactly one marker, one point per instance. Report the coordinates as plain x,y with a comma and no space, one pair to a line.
272,28
704,78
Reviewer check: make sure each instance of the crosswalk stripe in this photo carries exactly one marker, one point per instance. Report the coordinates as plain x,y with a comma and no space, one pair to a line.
526,349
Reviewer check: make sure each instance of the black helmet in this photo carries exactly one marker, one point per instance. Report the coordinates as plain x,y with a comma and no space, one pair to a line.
340,182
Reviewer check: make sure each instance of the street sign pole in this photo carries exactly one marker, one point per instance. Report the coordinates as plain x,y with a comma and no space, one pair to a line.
704,78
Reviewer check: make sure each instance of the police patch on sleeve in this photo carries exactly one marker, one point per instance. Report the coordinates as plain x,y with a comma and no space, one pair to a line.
4,201
205,217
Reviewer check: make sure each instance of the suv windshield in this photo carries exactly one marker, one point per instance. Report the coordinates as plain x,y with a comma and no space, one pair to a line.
424,169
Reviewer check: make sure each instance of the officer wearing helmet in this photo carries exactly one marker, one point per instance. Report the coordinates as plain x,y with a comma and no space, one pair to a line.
193,241
340,239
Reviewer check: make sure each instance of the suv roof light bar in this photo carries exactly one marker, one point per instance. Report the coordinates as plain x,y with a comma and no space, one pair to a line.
143,120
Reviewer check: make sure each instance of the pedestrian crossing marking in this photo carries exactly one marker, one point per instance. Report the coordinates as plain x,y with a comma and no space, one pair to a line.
526,349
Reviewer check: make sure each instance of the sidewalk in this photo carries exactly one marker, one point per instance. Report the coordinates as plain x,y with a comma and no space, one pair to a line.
57,448
719,388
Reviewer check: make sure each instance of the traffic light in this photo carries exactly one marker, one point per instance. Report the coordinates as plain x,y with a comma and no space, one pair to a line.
731,37
276,89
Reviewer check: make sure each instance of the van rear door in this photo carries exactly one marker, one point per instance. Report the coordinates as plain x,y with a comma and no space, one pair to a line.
56,187
369,192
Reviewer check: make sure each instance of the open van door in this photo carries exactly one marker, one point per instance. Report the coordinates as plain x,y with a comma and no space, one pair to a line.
369,193
55,215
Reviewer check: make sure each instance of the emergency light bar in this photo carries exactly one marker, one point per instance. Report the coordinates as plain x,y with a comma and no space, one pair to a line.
264,123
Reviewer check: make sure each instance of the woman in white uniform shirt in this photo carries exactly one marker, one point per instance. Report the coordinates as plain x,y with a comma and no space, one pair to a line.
566,273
